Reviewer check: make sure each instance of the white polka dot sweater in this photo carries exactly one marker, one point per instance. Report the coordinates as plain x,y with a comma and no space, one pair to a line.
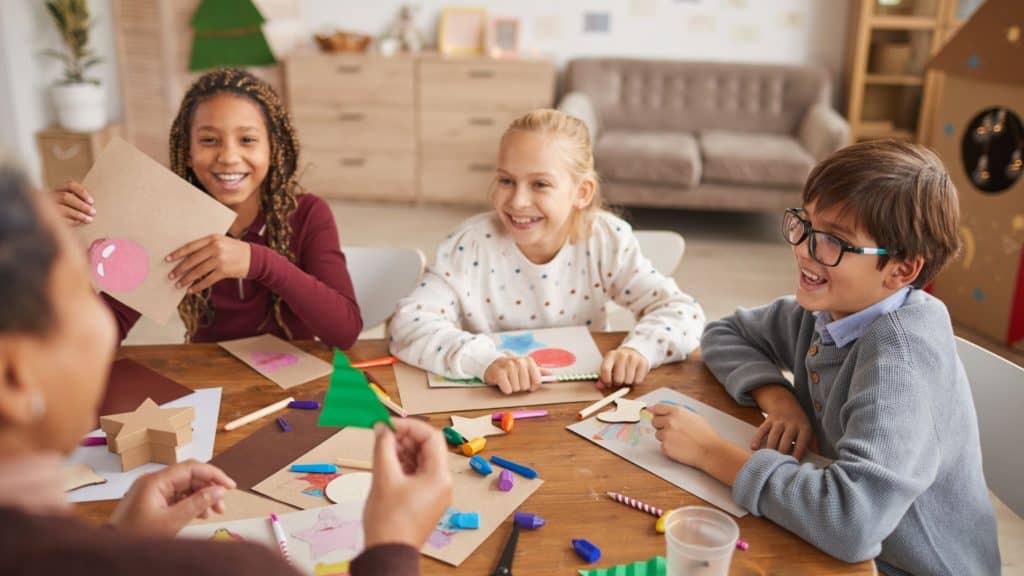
481,284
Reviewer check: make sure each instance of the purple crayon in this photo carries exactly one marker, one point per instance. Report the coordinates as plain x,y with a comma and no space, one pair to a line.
505,480
304,404
528,521
284,424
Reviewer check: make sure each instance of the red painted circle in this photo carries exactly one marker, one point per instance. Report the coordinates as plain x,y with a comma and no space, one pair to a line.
553,358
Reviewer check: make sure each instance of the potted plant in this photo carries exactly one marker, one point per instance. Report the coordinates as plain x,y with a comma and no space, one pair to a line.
79,99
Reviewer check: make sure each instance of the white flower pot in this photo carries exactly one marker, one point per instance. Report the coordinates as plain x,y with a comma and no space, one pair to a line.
80,107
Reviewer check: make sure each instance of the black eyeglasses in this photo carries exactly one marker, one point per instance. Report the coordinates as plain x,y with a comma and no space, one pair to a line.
825,248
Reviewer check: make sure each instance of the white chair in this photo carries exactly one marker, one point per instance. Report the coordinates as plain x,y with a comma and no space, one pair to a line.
997,387
665,250
381,277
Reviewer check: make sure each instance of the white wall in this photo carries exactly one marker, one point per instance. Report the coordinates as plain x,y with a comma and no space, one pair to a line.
783,31
26,30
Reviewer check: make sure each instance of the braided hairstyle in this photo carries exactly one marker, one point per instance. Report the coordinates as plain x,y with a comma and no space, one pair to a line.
278,192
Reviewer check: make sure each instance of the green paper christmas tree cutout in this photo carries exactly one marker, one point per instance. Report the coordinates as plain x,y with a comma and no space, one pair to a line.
228,33
350,401
653,567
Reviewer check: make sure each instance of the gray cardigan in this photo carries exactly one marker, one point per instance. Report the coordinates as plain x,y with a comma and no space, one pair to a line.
894,411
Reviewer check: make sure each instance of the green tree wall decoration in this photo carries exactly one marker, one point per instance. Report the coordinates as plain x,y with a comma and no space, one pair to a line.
228,33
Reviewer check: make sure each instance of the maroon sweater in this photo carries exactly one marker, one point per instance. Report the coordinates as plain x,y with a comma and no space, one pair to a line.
44,545
317,294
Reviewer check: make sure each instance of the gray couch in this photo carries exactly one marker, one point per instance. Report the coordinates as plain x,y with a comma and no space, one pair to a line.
707,135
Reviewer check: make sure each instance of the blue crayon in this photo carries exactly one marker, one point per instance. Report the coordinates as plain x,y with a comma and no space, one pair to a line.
523,471
480,465
314,468
304,404
586,550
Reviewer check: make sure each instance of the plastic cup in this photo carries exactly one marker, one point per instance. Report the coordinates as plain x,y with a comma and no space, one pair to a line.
700,541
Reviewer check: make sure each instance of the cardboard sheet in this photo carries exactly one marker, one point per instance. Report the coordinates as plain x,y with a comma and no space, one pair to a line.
143,213
417,397
243,505
282,363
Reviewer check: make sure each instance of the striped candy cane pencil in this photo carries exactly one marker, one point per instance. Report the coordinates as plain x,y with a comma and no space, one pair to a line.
636,504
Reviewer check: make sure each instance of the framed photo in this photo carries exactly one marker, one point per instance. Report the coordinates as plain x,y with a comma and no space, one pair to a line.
462,32
504,37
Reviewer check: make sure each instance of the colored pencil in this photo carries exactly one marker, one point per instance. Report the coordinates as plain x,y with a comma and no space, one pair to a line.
258,414
586,412
385,361
636,504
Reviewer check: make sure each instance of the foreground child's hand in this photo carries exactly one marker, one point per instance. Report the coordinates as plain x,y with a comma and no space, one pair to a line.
623,367
688,438
514,374
209,260
786,427
162,503
74,203
412,486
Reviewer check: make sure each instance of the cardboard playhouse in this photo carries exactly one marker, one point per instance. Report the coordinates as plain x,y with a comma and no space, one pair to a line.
977,130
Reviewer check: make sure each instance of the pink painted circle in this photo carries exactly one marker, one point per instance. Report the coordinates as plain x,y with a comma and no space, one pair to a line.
553,357
118,264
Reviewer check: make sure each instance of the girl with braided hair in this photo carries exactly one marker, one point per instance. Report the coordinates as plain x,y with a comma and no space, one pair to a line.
280,268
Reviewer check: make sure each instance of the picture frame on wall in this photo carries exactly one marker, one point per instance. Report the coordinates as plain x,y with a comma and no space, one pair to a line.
504,37
462,31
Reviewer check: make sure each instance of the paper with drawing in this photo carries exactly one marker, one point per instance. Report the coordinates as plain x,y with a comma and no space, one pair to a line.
143,213
279,361
471,492
636,443
566,350
321,541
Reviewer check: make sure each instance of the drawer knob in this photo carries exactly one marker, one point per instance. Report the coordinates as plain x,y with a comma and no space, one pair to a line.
65,154
481,167
353,161
350,69
481,121
481,73
351,117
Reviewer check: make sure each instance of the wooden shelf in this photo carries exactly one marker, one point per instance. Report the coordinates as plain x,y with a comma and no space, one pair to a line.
903,22
894,80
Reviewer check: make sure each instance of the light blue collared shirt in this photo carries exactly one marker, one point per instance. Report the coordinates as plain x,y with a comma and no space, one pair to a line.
846,330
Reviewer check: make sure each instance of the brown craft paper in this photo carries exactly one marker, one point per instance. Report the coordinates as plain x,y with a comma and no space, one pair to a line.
289,487
130,383
79,475
417,397
140,201
243,505
471,492
279,361
268,449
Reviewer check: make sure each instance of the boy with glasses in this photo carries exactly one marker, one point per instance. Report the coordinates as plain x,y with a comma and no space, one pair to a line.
877,385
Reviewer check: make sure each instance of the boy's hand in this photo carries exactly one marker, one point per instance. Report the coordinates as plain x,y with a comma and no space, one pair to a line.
786,427
514,374
412,486
685,437
162,503
74,203
209,260
623,367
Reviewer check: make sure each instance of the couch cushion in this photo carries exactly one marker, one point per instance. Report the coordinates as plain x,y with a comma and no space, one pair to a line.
660,157
744,158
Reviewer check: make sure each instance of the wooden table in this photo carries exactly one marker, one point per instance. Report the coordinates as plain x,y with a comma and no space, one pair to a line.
576,472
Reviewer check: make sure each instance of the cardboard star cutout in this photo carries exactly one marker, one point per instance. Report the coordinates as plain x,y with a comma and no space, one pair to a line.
475,427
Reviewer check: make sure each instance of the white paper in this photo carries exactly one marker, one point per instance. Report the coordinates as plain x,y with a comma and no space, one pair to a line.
573,342
637,444
204,430
337,539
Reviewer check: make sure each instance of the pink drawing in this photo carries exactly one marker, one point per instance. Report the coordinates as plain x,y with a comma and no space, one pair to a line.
118,264
553,357
273,361
331,534
440,538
